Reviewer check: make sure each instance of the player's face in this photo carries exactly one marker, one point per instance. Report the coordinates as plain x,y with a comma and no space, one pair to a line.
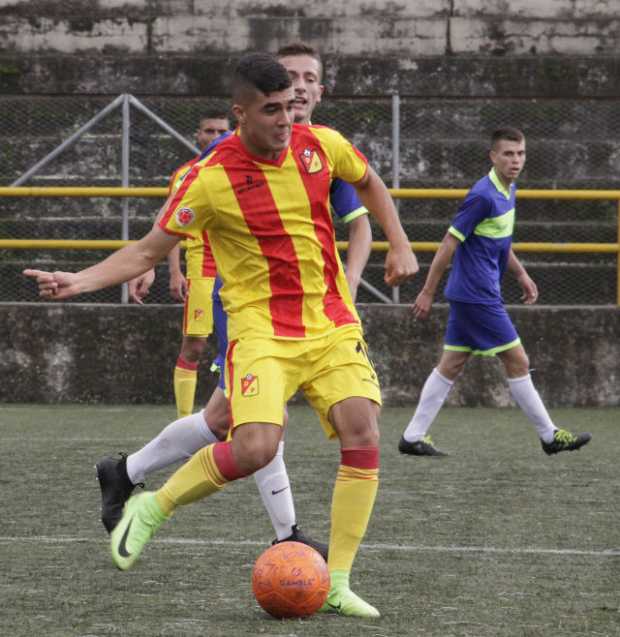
305,73
508,159
210,129
265,122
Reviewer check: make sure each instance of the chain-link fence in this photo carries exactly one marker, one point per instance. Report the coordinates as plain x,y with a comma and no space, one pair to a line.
441,142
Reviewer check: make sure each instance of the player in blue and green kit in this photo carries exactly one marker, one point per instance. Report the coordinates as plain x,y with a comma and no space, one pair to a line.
479,245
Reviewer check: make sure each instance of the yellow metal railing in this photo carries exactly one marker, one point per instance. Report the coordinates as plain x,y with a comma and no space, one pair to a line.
398,193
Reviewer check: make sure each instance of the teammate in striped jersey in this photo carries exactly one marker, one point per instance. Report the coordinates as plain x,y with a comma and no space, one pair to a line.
195,289
264,195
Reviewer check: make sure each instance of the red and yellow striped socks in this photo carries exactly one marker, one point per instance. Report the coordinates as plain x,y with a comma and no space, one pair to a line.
205,473
352,503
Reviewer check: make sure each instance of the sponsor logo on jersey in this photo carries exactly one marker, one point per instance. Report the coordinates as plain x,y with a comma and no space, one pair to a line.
249,385
185,216
250,184
311,160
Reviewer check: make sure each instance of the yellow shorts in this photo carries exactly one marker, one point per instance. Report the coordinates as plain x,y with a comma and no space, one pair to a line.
198,311
263,374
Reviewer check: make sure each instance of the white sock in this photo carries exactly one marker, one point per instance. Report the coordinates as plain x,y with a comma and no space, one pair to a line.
275,490
434,393
180,440
526,396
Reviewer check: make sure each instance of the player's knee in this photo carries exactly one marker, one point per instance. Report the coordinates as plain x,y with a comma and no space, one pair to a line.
452,368
192,348
520,368
517,364
356,422
254,446
367,436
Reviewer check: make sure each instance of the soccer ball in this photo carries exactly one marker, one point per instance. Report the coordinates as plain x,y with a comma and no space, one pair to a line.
290,579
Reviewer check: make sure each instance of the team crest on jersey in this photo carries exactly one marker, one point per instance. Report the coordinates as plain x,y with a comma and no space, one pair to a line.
185,216
249,385
198,314
311,160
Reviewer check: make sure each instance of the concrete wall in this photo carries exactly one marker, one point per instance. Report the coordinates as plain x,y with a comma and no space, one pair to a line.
152,46
113,354
357,27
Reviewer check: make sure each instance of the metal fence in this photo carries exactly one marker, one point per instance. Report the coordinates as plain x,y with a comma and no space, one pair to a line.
411,142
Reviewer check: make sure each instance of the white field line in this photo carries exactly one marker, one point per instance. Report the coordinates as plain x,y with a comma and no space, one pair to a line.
47,539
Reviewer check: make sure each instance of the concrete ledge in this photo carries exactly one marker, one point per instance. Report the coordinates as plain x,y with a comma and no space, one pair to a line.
125,354
522,76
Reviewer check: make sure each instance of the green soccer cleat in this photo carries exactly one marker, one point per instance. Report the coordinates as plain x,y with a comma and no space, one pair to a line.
424,447
346,602
141,519
565,441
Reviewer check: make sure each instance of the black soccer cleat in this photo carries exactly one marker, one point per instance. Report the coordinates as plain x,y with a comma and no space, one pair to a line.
565,441
422,447
116,487
298,536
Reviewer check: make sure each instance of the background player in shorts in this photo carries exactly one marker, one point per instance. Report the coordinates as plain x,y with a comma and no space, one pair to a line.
479,245
193,290
291,320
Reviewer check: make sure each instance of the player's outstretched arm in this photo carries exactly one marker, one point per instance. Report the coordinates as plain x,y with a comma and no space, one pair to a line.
424,301
528,287
400,263
123,265
360,242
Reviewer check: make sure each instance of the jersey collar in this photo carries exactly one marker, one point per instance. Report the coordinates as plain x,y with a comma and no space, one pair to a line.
495,180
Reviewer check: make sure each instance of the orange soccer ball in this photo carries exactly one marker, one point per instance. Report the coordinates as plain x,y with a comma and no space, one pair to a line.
290,579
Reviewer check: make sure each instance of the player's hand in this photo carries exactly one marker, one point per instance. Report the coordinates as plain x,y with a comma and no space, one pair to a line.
400,264
178,287
529,289
140,286
422,305
353,282
55,285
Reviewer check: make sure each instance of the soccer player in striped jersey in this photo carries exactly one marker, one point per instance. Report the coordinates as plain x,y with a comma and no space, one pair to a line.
479,245
193,290
183,437
196,288
264,195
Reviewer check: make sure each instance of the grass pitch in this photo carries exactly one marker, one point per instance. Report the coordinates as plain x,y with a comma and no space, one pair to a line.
496,540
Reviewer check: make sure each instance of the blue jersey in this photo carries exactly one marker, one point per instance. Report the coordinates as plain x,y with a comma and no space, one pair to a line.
483,224
214,143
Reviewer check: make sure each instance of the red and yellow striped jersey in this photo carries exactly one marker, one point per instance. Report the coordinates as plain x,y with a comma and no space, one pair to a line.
272,233
198,255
